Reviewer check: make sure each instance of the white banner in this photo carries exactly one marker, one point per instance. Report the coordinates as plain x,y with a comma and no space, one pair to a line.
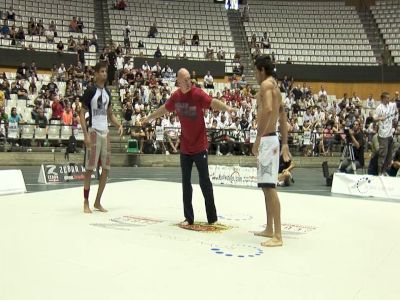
12,182
366,185
233,175
253,136
159,133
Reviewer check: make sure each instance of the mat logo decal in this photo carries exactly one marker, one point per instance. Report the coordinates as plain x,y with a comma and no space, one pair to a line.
240,251
205,227
363,185
296,228
124,222
236,217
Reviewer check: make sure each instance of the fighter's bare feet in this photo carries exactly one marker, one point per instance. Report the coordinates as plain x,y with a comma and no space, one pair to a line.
86,208
264,233
98,207
274,242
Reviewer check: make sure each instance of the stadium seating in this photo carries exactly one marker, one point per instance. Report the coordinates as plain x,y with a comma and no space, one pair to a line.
311,32
386,14
209,19
61,12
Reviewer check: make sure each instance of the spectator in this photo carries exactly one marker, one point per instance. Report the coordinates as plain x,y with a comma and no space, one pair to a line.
53,28
49,36
85,44
79,25
5,30
40,28
81,54
20,35
370,102
120,4
208,81
14,117
265,42
285,172
73,25
242,82
157,53
357,138
126,33
153,31
62,73
289,61
22,71
31,27
77,105
236,58
11,14
395,165
72,47
322,92
238,69
195,39
57,108
384,114
396,100
41,120
93,41
172,134
221,54
140,44
256,53
123,83
128,112
67,116
210,52
182,39
60,46
253,42
167,72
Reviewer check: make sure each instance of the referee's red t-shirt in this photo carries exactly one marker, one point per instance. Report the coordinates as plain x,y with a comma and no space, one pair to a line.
190,109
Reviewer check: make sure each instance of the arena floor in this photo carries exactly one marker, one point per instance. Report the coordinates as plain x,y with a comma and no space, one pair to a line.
334,247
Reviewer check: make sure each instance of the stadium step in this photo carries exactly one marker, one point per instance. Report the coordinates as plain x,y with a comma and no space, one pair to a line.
373,33
241,45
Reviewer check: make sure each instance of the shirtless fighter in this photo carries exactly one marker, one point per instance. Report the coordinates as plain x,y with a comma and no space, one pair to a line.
266,147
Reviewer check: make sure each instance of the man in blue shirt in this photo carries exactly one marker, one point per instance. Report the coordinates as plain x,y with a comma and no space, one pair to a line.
5,30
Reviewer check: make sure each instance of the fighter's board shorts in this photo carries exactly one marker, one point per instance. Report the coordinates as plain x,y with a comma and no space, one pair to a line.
101,149
268,161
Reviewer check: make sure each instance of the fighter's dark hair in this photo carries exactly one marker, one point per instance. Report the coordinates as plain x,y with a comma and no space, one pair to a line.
100,65
265,62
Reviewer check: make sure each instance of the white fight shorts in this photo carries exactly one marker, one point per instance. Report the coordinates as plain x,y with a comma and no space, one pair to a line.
268,161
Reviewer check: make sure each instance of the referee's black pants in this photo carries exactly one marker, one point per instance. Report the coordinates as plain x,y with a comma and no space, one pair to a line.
201,161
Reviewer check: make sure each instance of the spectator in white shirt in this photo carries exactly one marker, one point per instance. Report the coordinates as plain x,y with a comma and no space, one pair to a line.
355,99
129,65
221,53
384,114
370,102
62,71
322,92
123,83
146,66
156,70
120,62
289,101
167,72
208,81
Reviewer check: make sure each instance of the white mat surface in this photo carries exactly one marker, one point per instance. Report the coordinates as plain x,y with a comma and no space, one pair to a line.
334,248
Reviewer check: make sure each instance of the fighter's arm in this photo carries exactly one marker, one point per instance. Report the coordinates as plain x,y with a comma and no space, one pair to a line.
113,119
220,106
283,129
162,110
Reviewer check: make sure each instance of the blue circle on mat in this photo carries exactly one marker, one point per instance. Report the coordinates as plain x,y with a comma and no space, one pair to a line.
214,249
219,252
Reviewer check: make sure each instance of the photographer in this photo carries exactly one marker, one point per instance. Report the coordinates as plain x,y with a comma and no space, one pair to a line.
356,137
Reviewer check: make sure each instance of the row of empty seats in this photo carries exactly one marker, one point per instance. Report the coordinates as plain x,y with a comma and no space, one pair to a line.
53,133
60,12
333,27
386,14
207,18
